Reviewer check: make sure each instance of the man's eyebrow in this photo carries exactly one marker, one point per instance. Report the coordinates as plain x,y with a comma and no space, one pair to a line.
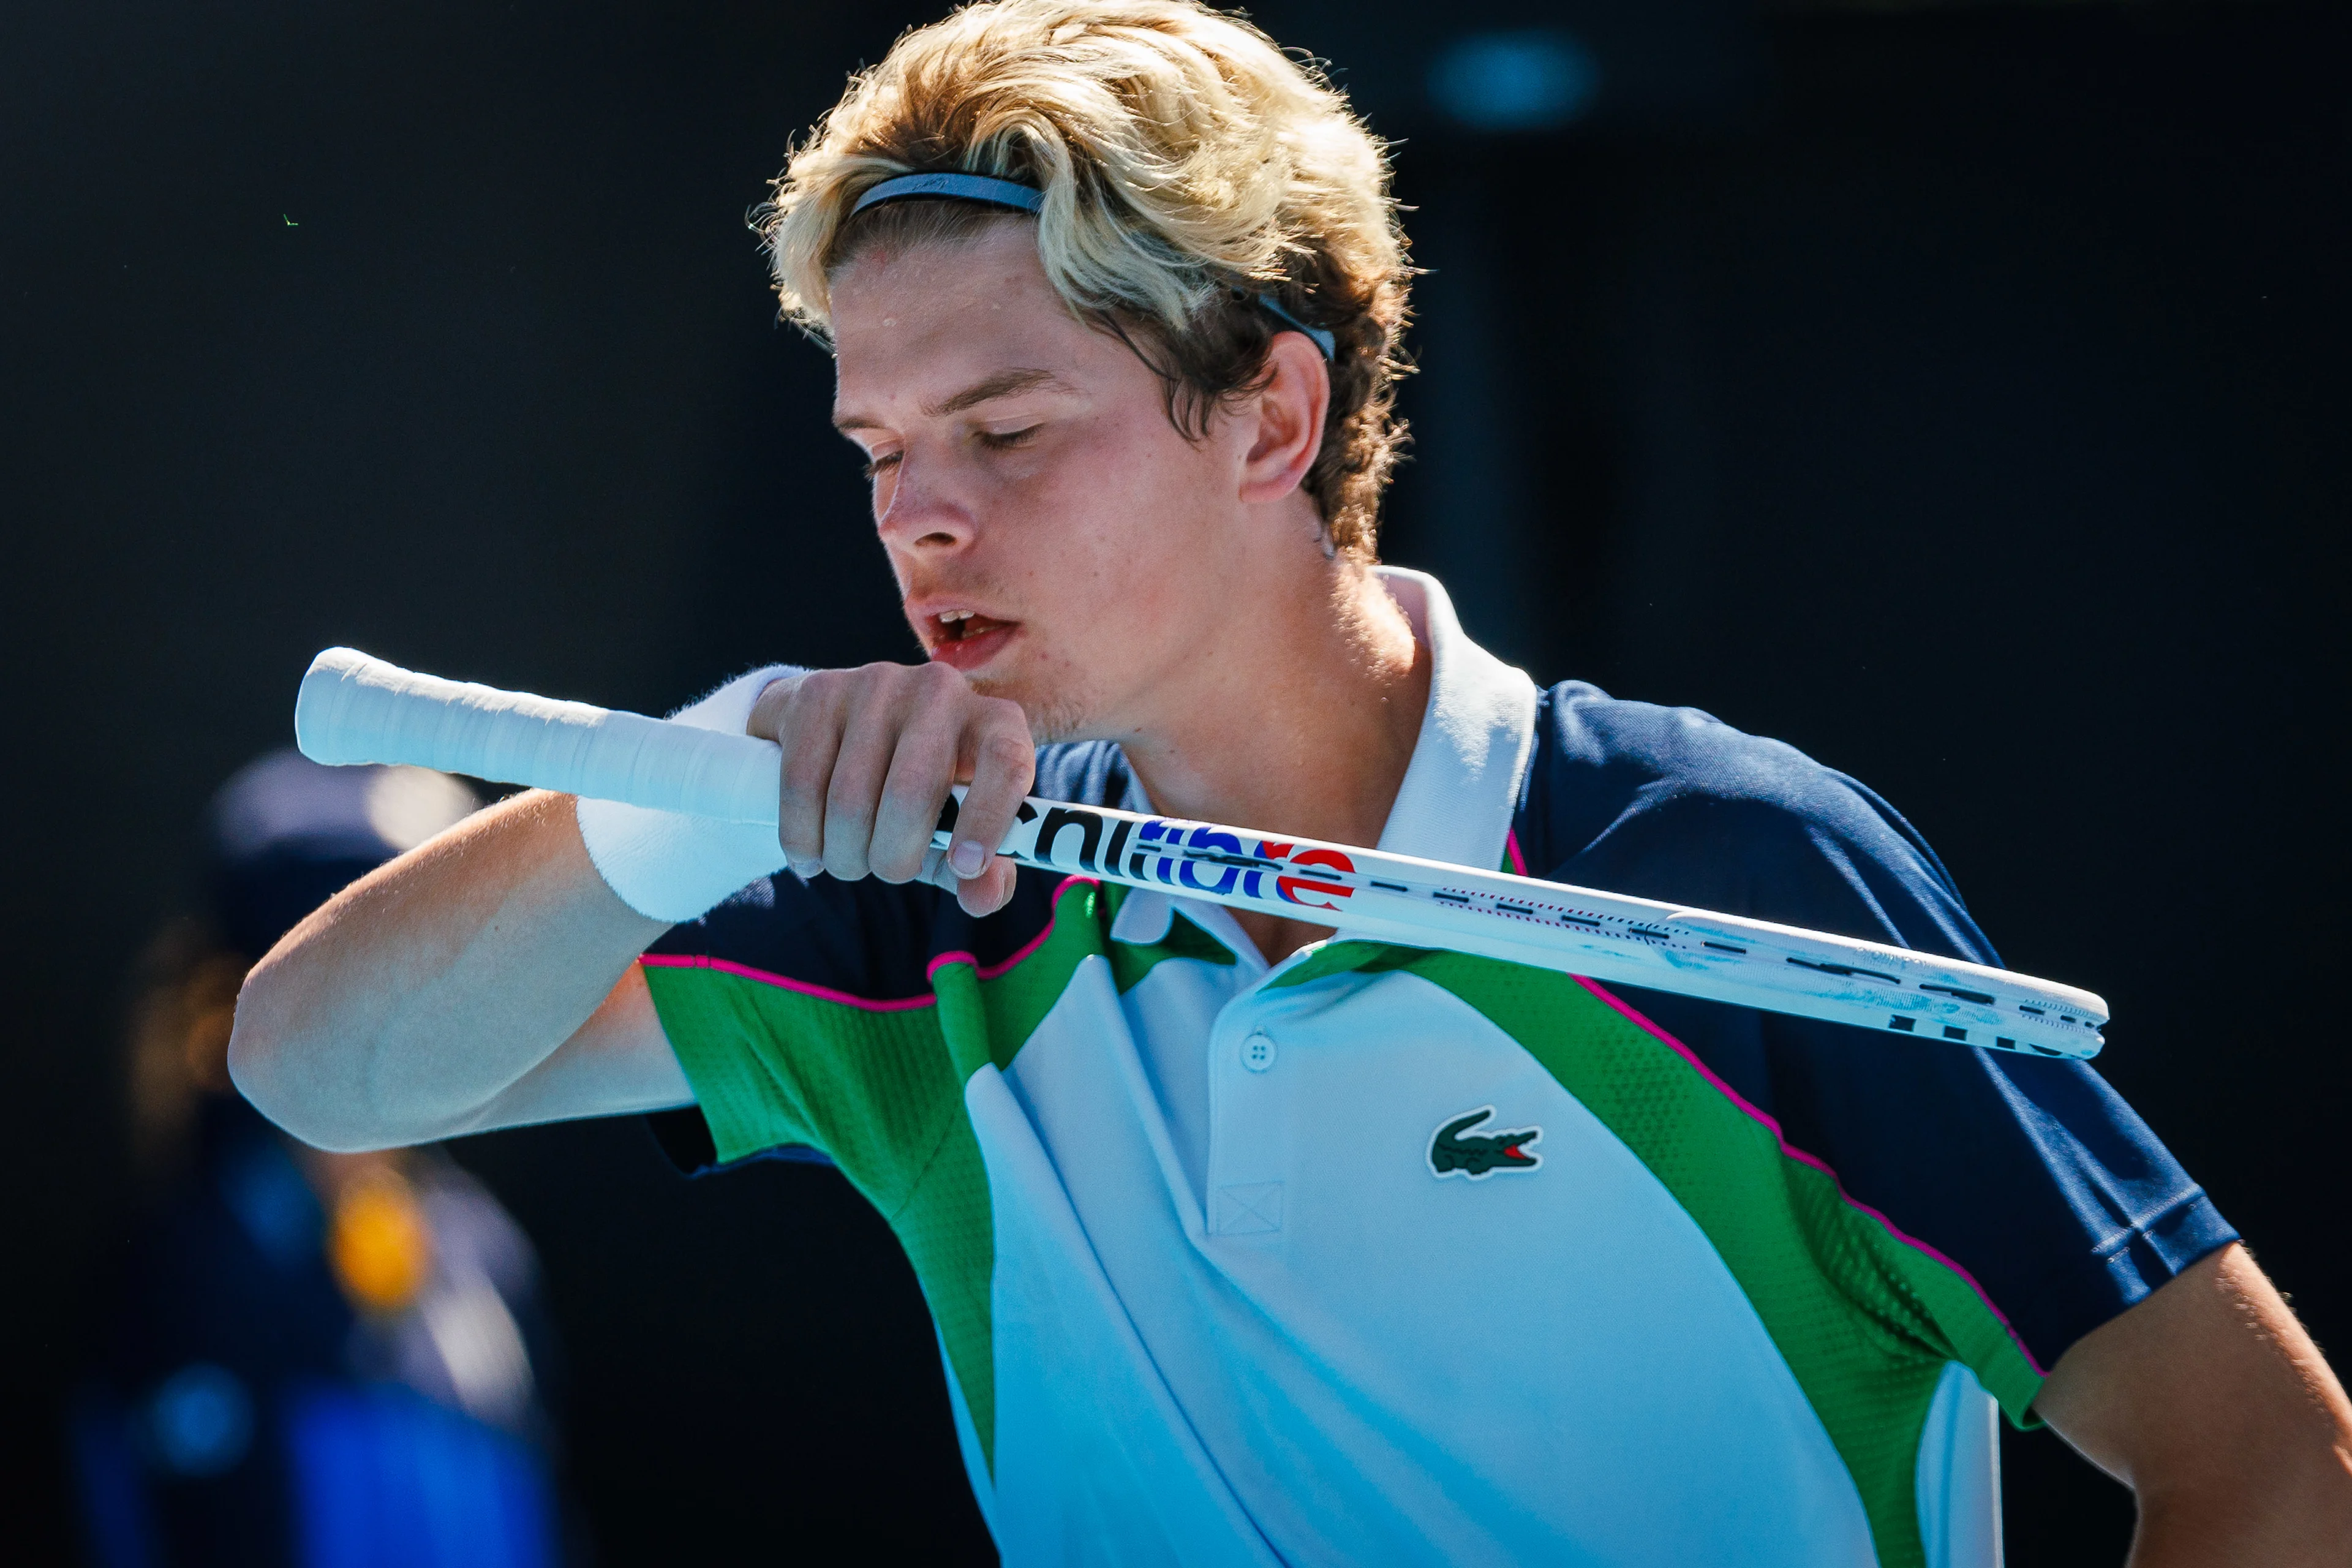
1003,384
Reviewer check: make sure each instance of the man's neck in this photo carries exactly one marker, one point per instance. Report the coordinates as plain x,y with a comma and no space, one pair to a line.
1307,730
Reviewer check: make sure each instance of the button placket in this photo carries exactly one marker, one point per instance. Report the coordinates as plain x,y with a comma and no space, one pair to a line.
1249,1138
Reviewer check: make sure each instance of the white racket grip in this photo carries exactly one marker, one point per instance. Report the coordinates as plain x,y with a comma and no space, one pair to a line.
676,815
355,709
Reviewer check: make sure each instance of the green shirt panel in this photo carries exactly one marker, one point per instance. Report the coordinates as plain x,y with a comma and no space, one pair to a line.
879,1089
875,1090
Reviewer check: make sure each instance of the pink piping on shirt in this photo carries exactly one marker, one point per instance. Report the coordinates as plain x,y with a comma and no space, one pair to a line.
868,1003
1802,1157
1511,844
991,971
822,993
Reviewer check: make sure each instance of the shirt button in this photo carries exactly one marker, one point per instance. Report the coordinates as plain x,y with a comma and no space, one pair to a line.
1257,1051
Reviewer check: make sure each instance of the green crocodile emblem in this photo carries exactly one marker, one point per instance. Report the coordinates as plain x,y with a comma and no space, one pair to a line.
1457,1148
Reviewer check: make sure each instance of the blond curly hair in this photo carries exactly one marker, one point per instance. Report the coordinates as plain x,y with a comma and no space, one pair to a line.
1186,164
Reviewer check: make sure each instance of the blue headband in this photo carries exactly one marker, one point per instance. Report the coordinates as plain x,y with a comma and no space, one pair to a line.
992,192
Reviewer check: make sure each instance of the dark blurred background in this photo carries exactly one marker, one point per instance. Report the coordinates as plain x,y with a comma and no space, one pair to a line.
1956,391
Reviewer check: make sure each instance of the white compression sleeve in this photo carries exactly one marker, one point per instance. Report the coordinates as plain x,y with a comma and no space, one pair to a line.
672,867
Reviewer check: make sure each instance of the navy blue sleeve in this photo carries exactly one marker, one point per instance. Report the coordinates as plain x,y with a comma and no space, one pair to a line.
2033,1174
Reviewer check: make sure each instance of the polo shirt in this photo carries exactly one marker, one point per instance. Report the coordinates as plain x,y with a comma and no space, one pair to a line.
1381,1254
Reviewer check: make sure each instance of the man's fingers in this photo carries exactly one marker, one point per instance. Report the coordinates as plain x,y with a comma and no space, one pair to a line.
768,709
869,756
908,812
852,801
809,730
988,892
982,895
1003,763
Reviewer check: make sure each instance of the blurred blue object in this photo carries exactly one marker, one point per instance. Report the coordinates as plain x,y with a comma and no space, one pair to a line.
1540,78
200,1423
118,1525
384,1478
244,1411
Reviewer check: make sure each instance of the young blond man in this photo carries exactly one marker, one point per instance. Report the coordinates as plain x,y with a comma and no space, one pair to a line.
1114,291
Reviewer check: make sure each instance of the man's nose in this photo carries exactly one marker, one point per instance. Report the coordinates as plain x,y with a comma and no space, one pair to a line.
918,507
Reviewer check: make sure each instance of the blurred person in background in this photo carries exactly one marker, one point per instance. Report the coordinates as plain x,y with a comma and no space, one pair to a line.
315,1360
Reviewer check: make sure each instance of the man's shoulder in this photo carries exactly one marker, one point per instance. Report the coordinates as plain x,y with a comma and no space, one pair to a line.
1609,753
1673,803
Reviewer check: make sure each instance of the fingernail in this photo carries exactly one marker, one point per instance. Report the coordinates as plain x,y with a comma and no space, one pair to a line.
967,857
806,870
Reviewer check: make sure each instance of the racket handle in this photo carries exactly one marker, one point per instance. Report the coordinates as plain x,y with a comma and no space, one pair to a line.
356,708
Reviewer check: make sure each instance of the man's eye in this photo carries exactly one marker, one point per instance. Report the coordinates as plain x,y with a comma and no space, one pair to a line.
875,465
1003,440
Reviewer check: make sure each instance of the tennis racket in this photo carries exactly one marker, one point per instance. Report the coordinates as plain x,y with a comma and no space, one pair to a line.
355,709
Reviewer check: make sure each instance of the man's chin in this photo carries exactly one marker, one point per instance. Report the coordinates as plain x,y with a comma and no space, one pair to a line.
1055,715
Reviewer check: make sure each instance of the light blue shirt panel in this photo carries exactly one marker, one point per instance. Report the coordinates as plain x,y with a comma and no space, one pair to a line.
1958,1474
1096,1461
1171,1029
1373,1364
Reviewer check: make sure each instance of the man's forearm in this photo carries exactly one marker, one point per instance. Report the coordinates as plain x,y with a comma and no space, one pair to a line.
423,992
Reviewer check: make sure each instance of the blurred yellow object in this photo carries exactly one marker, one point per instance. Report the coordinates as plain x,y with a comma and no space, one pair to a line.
382,1246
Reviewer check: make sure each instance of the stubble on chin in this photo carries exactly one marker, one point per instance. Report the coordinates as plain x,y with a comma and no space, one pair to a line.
1057,711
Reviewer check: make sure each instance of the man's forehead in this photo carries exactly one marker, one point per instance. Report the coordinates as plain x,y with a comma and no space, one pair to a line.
937,323
1008,383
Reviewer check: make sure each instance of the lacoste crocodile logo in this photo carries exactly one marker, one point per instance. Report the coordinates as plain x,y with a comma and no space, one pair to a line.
1457,1151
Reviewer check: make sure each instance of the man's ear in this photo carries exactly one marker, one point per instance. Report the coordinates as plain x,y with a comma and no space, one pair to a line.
1290,409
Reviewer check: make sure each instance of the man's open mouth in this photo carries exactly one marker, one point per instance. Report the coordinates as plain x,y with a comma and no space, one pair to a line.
966,639
956,626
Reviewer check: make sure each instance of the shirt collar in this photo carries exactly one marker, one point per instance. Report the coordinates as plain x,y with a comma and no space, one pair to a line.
1462,784
1460,789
